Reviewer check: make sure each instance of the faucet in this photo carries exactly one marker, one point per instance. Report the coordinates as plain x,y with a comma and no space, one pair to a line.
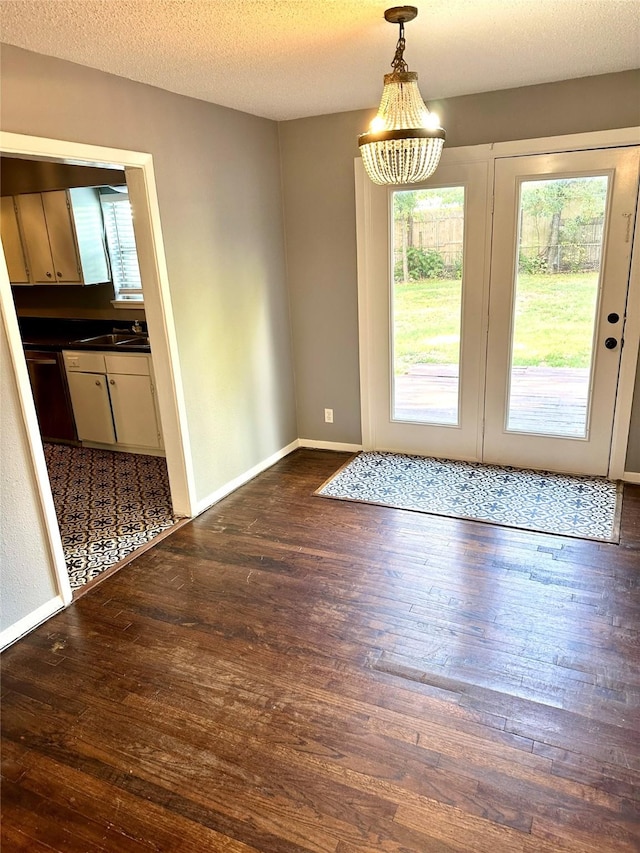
137,328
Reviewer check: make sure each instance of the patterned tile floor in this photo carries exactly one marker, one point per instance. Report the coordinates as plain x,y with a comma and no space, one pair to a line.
107,504
584,507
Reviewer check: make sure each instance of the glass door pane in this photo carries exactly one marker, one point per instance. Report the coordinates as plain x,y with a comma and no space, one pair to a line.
561,228
426,304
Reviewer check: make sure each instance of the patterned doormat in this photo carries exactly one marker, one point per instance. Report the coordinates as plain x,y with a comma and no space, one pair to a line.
583,507
107,505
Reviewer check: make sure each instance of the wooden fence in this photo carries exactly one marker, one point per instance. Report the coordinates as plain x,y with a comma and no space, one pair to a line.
442,231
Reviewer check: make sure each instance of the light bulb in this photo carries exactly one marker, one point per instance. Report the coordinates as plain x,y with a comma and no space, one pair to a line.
432,121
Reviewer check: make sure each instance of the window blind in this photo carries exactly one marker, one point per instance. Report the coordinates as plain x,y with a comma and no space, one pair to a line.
121,243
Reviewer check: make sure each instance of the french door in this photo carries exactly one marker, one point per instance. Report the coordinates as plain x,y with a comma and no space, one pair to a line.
494,309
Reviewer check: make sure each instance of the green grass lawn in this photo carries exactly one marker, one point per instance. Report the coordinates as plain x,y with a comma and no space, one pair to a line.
554,321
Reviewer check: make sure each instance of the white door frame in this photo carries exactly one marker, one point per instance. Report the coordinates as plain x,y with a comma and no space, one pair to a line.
490,152
159,314
463,439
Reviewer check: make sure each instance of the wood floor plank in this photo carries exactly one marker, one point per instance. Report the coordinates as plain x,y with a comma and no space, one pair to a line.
460,830
15,840
288,674
147,823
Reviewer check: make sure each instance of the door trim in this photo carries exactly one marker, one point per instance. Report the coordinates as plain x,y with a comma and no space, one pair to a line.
490,152
627,375
141,179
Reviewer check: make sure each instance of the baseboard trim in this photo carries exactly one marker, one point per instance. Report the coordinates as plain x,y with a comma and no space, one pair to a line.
232,485
206,503
631,477
30,621
313,444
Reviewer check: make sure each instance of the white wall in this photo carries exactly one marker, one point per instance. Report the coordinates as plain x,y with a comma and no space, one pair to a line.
28,583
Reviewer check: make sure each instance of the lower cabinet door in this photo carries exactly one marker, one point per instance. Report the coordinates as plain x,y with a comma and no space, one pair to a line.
134,411
91,408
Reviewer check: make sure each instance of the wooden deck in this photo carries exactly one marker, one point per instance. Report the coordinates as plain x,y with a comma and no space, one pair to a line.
547,400
289,674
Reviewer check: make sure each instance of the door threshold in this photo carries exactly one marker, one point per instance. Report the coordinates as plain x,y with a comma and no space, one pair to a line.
107,573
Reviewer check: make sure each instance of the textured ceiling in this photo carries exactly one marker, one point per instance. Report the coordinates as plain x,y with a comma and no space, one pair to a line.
290,58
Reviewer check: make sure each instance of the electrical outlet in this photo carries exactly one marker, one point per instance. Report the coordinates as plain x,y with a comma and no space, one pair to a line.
328,416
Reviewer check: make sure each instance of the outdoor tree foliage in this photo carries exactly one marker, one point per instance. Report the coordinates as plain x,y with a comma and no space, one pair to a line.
562,212
412,206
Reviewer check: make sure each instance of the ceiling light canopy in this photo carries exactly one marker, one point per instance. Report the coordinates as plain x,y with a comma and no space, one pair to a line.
404,141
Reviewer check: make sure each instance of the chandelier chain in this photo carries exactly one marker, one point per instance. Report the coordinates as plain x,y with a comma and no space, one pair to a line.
398,63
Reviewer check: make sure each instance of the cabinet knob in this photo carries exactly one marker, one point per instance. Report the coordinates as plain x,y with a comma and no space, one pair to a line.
97,382
59,274
112,381
49,275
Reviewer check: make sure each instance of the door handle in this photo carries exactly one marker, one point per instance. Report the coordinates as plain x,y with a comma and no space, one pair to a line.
611,343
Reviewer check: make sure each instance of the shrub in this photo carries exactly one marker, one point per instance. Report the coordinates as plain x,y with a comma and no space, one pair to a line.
454,270
421,264
532,264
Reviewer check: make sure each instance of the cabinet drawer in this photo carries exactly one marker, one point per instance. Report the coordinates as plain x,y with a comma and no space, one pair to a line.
135,364
84,361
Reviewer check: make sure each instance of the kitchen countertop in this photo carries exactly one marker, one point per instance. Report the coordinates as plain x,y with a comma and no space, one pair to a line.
55,335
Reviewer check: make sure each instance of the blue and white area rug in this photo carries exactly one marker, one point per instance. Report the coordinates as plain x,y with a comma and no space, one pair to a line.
584,507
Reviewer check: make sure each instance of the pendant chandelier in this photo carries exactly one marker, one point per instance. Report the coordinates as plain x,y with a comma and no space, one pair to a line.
404,141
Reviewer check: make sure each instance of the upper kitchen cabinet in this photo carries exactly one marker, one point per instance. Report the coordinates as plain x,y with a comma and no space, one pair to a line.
63,236
13,250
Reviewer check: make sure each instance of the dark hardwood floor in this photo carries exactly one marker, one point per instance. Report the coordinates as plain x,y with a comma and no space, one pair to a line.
289,673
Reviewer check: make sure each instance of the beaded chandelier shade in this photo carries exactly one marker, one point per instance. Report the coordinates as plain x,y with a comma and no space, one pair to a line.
404,142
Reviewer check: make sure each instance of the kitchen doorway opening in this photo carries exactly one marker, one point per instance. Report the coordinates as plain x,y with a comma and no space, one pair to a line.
167,386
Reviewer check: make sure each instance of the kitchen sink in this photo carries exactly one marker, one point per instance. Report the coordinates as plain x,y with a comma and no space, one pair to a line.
140,341
116,340
108,340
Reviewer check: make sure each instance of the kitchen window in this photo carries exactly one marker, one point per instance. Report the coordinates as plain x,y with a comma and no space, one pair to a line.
121,243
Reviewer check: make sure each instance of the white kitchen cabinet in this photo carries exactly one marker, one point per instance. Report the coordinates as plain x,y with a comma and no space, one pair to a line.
133,407
63,235
12,242
113,399
91,407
